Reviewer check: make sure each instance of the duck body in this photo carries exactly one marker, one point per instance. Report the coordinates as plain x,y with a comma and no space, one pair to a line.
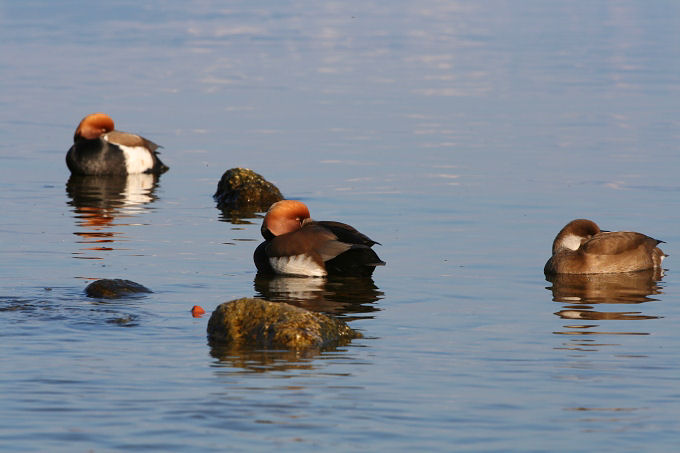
582,248
297,245
99,149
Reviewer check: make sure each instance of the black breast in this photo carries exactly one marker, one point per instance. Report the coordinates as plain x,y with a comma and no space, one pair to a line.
95,157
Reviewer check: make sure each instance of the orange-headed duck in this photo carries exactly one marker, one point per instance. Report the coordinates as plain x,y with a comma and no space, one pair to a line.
99,149
297,245
582,248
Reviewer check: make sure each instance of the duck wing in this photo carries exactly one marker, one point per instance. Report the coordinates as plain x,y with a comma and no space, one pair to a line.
127,139
346,233
356,257
617,242
312,240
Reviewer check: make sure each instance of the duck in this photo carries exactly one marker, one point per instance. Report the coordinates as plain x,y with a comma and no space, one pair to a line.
582,248
99,149
297,245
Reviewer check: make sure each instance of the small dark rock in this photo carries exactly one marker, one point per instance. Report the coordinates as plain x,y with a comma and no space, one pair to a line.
260,323
113,288
241,189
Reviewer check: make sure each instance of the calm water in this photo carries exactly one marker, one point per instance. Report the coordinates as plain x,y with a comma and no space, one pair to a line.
461,135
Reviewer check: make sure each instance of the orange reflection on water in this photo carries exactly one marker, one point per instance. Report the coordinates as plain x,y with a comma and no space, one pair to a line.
99,201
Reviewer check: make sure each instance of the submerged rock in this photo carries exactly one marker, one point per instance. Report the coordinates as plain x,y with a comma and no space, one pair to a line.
124,321
241,189
113,288
261,323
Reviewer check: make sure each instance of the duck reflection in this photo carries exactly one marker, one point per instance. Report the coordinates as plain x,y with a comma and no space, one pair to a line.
581,293
338,296
99,200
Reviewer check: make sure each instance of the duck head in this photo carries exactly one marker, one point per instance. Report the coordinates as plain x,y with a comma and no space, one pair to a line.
93,126
283,217
574,234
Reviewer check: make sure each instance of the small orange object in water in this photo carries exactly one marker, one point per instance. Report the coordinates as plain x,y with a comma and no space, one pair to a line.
197,311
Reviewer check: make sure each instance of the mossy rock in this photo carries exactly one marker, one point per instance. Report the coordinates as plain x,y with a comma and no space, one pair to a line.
241,189
114,288
260,323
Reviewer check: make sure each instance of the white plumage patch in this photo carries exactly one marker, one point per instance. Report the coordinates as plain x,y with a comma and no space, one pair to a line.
571,241
296,265
137,159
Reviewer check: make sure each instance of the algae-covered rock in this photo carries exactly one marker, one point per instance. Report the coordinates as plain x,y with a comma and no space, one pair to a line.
241,189
261,323
113,288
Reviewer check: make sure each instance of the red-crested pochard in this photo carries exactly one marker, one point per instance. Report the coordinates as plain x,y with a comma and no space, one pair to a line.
582,248
297,245
99,149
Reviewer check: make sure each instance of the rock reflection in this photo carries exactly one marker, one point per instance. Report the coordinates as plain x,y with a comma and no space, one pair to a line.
240,216
263,360
338,296
99,200
581,293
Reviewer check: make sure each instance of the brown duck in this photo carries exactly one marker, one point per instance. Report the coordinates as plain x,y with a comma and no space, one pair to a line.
582,248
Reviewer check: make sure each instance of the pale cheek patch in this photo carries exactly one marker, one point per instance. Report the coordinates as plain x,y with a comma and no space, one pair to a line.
137,159
297,265
572,242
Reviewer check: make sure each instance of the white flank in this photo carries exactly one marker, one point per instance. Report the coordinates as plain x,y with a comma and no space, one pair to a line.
137,159
297,265
572,242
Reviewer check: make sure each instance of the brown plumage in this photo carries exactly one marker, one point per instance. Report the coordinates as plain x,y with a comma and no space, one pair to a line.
99,149
297,245
582,248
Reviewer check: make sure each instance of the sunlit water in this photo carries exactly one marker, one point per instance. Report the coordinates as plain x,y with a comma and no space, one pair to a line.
461,135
